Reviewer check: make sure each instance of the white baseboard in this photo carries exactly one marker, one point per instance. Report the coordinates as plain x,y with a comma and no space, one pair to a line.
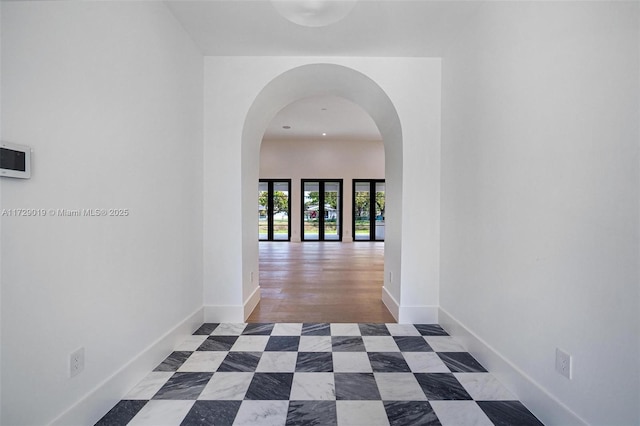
418,315
103,397
224,313
545,406
391,303
251,302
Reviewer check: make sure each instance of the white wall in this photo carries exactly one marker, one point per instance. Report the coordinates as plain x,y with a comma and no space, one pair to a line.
540,197
233,85
109,96
321,159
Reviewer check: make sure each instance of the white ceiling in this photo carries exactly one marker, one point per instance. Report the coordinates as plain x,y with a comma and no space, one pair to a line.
384,28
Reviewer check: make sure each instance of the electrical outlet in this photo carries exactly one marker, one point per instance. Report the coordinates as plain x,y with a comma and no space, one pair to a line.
76,362
563,363
390,277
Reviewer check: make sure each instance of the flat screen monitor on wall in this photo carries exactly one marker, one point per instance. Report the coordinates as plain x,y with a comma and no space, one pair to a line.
15,160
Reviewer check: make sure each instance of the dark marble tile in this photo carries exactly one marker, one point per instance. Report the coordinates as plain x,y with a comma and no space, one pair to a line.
206,329
270,386
430,330
316,329
240,362
412,344
283,343
218,413
183,386
441,386
461,362
347,344
507,413
388,362
312,413
173,361
356,386
122,413
414,413
314,362
218,343
374,330
261,329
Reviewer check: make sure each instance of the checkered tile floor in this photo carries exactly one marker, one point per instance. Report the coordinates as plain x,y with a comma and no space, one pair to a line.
319,374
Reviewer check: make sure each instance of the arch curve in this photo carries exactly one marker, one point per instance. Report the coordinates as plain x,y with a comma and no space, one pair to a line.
308,81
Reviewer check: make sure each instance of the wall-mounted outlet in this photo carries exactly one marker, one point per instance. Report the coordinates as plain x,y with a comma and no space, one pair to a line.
251,276
76,362
390,277
563,363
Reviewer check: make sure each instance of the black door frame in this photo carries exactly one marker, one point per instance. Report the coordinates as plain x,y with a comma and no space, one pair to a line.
372,208
269,206
321,203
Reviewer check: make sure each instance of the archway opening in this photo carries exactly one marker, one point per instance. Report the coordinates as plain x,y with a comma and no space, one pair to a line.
305,82
318,159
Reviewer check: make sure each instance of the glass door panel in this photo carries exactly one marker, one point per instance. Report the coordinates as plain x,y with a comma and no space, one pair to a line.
311,210
362,211
263,205
331,211
273,210
280,200
379,211
368,210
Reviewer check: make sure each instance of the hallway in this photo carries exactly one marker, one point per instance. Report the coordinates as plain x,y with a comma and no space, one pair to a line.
321,282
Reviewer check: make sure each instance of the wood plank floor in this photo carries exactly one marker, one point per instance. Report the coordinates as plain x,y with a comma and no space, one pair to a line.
321,282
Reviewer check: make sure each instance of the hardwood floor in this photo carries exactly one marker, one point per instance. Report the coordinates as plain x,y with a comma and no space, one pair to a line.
321,282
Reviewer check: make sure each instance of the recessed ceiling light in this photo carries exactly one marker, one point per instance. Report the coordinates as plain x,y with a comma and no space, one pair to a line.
324,134
323,109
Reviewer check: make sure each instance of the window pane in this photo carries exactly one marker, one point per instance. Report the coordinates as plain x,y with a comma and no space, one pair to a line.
280,210
379,209
263,195
310,218
332,211
361,211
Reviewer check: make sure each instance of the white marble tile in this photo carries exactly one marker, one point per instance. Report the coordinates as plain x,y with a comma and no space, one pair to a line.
425,362
484,387
162,413
149,386
315,344
191,343
277,362
380,344
456,413
351,362
263,413
402,330
399,387
227,386
345,329
359,413
205,361
229,329
444,344
250,344
287,329
313,387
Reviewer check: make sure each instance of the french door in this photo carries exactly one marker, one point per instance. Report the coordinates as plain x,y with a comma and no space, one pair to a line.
368,209
321,210
274,208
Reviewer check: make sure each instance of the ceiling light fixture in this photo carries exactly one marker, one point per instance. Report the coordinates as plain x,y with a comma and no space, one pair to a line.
324,134
314,13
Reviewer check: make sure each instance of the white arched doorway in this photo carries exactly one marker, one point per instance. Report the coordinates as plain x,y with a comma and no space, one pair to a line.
303,82
241,97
